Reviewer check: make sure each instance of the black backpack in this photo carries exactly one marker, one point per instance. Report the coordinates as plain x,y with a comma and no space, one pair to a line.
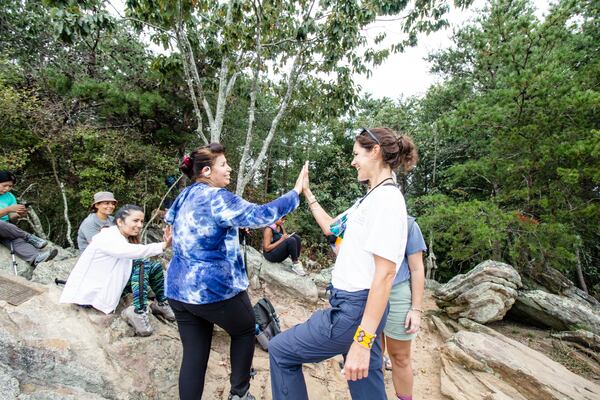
267,322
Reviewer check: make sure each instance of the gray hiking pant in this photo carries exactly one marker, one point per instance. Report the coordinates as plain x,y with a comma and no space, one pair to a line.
10,232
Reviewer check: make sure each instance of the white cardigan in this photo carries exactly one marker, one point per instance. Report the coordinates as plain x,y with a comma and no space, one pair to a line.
103,270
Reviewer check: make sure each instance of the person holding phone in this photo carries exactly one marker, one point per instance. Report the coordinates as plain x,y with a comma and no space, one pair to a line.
278,245
25,245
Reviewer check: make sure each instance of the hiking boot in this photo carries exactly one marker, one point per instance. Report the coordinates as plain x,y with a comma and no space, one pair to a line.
35,241
162,309
139,321
298,268
247,396
45,256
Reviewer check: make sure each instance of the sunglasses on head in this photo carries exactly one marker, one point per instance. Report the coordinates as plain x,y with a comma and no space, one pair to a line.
371,135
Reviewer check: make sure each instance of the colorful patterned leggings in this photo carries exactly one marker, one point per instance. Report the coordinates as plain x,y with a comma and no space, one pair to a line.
146,274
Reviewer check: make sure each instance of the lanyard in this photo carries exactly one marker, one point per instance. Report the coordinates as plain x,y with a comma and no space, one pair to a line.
371,191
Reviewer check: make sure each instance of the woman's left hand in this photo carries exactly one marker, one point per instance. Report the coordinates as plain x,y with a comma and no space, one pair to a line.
413,321
168,235
357,362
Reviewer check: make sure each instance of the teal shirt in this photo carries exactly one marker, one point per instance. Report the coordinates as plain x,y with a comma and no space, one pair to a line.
6,200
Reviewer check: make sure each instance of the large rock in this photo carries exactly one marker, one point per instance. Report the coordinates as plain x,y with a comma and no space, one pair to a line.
322,279
557,312
281,276
51,351
582,337
47,272
24,268
483,364
484,294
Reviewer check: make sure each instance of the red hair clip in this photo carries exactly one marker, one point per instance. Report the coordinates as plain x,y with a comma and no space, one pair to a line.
187,161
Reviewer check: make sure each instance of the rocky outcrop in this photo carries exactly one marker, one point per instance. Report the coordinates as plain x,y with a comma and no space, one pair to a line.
281,276
47,272
480,363
553,281
557,312
6,264
322,279
51,351
584,338
484,294
25,269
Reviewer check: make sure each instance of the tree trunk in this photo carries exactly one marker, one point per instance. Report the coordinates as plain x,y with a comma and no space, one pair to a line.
579,271
61,187
239,189
35,223
282,109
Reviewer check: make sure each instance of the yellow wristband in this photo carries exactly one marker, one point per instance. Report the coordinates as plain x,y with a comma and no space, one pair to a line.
364,338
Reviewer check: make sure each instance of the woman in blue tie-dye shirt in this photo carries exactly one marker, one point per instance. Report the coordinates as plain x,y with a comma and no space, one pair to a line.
206,279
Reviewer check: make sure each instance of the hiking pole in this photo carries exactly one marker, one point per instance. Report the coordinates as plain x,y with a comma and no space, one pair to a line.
14,260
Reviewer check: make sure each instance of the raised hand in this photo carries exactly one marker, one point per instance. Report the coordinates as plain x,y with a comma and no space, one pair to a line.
301,177
306,184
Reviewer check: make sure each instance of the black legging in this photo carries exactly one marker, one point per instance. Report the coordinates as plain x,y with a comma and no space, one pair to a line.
195,323
289,248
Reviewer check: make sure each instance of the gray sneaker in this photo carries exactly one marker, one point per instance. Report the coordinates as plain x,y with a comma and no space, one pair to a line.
298,268
247,396
35,241
140,322
163,310
45,256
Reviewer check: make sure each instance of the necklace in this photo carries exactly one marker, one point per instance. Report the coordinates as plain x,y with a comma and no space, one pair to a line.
375,187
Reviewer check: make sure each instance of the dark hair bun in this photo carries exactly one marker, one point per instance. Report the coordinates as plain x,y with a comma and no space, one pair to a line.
202,157
396,150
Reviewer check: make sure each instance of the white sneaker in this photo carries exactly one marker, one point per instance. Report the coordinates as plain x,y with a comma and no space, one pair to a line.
140,322
298,268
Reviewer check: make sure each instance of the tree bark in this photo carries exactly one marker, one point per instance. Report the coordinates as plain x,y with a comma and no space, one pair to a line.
239,190
35,223
282,108
579,270
61,187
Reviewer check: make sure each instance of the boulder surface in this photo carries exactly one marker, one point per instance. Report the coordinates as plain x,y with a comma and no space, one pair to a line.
484,294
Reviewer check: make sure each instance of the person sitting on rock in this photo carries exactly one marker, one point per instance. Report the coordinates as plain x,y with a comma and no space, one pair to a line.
106,270
278,245
101,217
25,245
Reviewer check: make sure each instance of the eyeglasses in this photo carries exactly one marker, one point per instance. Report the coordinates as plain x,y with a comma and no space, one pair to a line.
371,135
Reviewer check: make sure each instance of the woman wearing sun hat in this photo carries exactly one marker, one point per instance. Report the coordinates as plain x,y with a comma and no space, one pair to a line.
101,217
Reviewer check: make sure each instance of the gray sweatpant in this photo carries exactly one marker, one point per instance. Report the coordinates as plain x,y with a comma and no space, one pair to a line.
10,232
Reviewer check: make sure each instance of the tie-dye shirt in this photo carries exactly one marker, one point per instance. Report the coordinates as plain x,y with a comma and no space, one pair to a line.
207,264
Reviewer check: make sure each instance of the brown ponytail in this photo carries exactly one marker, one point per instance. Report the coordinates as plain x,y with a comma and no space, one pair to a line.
396,150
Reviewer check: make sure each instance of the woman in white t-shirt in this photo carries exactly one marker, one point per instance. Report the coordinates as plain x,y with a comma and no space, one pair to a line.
374,234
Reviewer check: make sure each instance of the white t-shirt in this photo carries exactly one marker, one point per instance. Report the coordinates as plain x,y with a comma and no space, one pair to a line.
377,226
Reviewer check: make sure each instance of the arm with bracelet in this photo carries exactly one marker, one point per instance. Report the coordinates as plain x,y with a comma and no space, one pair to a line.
357,361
